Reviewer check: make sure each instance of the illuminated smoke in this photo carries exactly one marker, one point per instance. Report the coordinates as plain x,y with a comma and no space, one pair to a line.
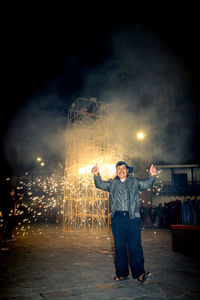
139,71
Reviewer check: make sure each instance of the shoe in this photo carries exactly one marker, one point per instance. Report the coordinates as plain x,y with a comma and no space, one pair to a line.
145,278
120,278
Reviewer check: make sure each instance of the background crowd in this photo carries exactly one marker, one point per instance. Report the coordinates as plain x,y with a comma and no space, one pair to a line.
185,212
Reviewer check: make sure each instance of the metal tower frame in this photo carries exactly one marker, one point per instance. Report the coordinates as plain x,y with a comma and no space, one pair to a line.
86,208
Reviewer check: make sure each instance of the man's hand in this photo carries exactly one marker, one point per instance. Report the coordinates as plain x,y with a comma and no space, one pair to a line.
153,170
95,170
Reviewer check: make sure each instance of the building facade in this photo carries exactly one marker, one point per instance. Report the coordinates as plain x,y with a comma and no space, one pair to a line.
177,182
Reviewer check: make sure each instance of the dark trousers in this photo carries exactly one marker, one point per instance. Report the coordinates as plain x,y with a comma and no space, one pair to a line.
127,234
7,226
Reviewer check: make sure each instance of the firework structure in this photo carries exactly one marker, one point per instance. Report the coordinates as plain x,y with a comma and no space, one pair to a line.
86,208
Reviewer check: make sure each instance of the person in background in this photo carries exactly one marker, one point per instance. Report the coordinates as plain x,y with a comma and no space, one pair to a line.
153,214
142,215
158,216
8,210
124,204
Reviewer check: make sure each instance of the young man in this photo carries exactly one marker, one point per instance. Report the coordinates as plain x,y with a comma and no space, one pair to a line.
124,204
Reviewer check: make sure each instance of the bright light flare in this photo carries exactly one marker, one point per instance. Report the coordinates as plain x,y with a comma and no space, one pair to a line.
109,169
140,135
85,170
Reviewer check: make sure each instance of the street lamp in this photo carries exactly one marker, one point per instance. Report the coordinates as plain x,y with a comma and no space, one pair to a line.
39,160
139,143
140,135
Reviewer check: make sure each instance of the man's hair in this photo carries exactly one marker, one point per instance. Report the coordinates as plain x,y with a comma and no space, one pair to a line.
120,163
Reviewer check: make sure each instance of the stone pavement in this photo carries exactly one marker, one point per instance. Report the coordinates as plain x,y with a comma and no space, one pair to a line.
45,263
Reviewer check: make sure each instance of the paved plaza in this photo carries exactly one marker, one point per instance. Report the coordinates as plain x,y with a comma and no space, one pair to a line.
46,263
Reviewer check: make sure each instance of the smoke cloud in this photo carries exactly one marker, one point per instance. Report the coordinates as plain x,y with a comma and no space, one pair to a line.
150,80
142,80
37,130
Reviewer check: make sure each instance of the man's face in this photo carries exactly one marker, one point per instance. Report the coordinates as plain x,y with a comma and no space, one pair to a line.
122,171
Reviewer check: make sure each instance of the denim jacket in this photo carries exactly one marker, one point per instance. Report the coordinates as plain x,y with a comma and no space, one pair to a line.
132,184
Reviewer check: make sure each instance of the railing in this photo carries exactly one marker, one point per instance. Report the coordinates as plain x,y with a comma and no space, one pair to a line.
185,188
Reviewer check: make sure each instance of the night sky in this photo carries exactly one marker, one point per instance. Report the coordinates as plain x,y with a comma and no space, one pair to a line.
52,57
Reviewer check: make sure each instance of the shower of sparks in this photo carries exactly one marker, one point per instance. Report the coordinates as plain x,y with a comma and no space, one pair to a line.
85,207
38,201
108,169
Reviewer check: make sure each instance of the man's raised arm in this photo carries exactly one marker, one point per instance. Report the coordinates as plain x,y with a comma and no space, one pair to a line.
99,183
148,183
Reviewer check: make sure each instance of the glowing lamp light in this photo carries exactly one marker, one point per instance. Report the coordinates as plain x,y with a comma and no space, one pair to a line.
140,135
42,164
39,159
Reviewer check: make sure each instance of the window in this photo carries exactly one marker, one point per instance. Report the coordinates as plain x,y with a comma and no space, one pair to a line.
180,179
